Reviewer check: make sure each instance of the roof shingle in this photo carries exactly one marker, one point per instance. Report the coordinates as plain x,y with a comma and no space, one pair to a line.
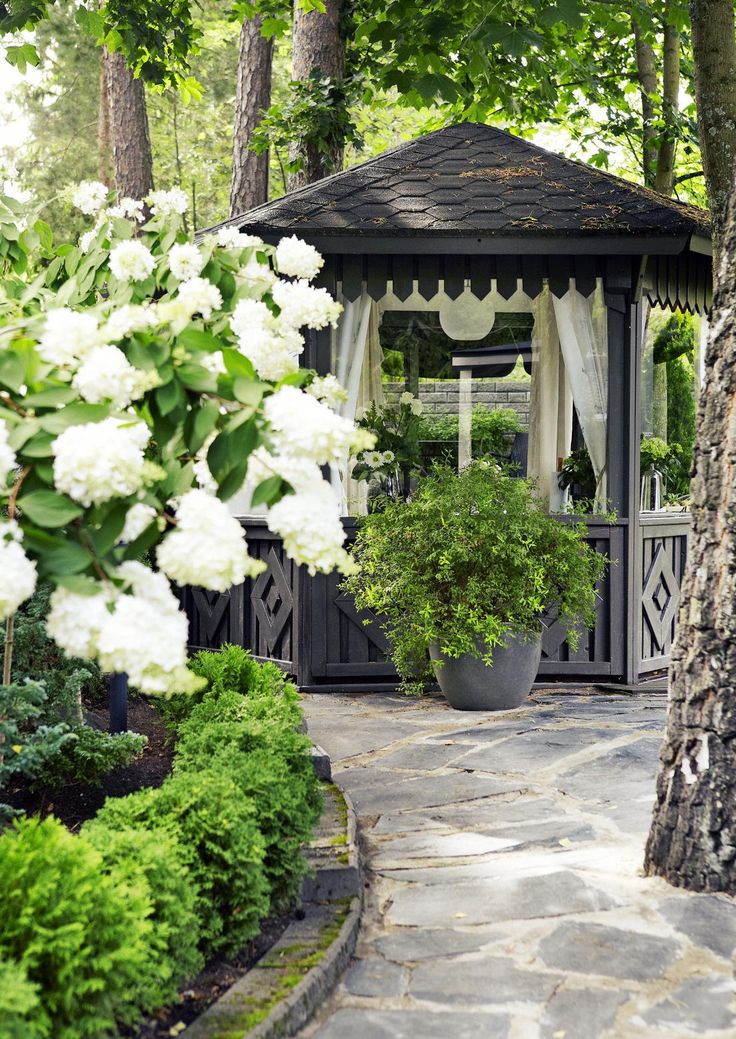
477,180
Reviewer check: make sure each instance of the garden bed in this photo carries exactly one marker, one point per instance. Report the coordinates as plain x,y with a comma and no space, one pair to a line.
165,893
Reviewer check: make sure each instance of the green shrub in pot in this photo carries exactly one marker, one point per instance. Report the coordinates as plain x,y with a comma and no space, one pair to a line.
471,560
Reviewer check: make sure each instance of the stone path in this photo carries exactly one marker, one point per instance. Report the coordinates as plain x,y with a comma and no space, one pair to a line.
504,895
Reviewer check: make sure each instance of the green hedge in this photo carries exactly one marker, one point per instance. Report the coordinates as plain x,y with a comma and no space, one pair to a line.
105,926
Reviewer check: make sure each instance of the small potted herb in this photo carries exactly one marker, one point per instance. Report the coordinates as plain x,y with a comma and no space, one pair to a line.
462,574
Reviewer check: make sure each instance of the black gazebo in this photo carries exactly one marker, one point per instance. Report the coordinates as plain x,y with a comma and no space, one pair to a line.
470,214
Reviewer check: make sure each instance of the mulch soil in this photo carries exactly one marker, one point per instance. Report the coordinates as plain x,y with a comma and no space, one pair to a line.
74,804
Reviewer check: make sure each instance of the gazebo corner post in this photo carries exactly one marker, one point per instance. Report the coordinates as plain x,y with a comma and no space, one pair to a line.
624,422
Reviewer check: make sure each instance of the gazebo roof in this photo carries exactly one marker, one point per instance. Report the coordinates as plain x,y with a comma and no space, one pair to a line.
473,180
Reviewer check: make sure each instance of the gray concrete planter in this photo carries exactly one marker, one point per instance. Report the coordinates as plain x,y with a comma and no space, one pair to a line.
470,685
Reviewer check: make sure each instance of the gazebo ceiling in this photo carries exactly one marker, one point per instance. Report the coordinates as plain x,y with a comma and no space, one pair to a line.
476,181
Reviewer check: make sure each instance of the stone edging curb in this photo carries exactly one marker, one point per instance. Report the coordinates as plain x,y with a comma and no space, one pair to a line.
296,1009
299,1004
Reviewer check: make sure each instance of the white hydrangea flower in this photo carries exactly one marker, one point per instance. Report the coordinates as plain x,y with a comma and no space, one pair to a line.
106,374
299,472
131,317
168,203
90,196
86,239
302,426
302,304
297,259
257,277
97,461
204,477
7,456
19,572
128,209
231,238
273,354
310,526
406,397
74,621
185,261
416,406
327,389
208,546
198,295
132,261
137,518
68,336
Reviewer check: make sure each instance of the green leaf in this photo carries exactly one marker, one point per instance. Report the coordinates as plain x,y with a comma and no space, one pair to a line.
12,370
49,509
109,531
248,392
169,396
237,364
73,415
197,378
51,397
39,446
233,481
219,458
78,584
268,491
199,424
145,540
71,559
197,339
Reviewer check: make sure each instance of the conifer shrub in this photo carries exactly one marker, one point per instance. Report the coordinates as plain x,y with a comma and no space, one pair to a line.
20,1007
218,829
80,934
156,858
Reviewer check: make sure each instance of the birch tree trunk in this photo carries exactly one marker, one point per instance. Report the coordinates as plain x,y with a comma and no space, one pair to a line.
714,54
131,142
249,186
692,842
318,45
664,180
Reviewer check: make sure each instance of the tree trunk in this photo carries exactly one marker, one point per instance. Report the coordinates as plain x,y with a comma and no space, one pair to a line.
664,180
104,145
249,186
318,45
659,401
131,143
646,74
692,842
714,54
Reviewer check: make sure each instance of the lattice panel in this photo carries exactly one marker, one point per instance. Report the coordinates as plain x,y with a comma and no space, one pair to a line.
660,599
272,601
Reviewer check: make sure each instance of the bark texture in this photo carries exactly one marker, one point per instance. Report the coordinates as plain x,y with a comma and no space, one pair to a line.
104,144
317,44
646,74
249,185
714,53
131,142
692,842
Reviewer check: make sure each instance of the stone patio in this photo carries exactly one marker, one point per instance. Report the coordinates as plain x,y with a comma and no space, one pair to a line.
504,895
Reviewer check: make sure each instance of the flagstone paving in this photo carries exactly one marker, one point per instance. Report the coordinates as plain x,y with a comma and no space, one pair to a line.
504,895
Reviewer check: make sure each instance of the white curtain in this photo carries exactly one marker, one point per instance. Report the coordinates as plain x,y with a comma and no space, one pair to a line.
359,359
583,335
550,407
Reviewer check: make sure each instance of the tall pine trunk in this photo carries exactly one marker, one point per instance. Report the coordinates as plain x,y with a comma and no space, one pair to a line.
714,54
249,186
104,144
131,142
318,46
692,842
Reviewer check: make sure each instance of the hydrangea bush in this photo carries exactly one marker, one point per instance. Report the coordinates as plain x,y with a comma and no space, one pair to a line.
145,378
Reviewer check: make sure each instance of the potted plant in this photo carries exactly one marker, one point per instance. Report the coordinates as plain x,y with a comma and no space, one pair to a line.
462,574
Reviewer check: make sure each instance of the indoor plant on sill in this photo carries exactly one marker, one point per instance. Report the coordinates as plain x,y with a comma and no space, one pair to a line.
464,571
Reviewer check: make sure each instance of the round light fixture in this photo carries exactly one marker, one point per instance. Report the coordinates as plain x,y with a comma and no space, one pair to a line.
467,318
